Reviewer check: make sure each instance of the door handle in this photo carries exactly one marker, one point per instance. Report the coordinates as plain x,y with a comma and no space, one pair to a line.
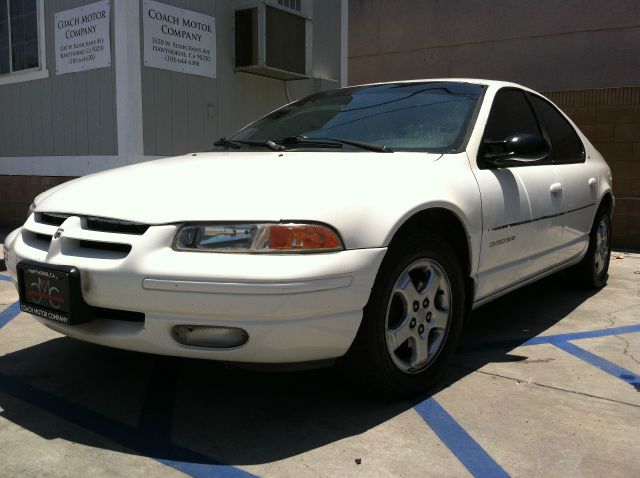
592,182
556,188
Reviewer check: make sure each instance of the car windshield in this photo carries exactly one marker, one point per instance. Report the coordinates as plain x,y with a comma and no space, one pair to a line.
426,116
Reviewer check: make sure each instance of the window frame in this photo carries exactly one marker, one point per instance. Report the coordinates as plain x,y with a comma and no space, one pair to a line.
545,131
41,70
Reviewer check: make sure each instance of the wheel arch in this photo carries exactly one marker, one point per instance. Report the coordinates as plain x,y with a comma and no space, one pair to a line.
606,202
442,221
448,224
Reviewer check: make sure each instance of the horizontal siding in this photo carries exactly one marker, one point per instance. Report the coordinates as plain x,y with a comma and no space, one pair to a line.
179,110
66,115
183,113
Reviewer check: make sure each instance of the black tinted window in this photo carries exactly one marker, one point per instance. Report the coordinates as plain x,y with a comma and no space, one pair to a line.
564,140
510,114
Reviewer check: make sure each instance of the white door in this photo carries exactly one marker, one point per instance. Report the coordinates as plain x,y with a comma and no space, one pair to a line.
579,179
521,205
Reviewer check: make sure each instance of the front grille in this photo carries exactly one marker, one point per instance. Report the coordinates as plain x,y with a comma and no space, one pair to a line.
115,314
114,225
106,246
44,237
53,219
92,223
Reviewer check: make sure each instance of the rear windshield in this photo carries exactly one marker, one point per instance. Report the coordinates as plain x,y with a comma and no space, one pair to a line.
428,116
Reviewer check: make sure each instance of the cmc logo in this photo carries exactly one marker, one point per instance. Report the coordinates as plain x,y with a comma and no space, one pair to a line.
58,233
42,289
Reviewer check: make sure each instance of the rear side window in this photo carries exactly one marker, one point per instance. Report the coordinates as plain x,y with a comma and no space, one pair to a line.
565,143
510,114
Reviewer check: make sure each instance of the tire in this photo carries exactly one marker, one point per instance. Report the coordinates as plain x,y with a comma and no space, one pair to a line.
405,341
593,271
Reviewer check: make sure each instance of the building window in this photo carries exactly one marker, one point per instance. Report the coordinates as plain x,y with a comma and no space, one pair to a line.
293,4
19,45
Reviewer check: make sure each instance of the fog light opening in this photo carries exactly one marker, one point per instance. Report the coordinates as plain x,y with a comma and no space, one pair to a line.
209,336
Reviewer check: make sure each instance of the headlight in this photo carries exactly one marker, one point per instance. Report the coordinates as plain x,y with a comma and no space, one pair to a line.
257,238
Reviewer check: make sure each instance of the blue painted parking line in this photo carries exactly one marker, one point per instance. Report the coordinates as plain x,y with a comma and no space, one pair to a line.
158,447
167,453
199,470
461,444
550,339
5,278
10,313
590,334
602,363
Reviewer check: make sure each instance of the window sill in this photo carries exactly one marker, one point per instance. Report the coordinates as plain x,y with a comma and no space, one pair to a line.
19,77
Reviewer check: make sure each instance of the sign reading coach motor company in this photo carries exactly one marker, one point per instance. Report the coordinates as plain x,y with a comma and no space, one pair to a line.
83,39
179,40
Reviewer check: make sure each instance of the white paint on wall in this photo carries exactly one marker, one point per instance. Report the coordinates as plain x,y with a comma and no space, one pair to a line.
70,166
128,83
344,43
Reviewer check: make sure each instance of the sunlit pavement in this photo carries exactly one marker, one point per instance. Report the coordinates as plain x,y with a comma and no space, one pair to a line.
546,383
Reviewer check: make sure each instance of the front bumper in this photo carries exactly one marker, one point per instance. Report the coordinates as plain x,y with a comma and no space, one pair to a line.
295,307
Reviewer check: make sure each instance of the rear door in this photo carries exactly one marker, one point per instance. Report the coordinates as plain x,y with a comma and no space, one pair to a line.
579,179
521,205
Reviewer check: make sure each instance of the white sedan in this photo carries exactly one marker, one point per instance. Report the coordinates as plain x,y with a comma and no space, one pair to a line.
362,224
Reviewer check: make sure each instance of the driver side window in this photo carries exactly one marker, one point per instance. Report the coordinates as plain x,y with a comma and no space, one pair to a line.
510,114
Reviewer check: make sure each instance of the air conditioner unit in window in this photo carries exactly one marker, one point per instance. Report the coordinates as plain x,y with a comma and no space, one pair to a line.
273,37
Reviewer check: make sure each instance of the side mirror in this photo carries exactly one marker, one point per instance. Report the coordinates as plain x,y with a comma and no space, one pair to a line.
515,150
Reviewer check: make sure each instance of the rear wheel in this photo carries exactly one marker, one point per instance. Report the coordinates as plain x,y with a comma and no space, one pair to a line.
413,320
593,271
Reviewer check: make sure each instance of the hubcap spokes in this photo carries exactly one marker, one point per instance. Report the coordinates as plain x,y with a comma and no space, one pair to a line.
418,315
602,247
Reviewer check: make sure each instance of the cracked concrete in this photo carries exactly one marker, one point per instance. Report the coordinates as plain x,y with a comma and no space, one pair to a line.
536,409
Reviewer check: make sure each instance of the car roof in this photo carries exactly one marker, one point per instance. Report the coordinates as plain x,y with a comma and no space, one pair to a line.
493,83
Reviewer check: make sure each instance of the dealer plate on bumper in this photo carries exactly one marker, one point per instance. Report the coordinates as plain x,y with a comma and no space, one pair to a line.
52,292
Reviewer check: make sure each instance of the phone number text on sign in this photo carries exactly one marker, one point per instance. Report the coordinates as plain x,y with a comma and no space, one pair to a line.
82,37
179,40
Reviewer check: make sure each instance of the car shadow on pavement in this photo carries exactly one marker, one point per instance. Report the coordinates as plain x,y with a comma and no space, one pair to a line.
198,411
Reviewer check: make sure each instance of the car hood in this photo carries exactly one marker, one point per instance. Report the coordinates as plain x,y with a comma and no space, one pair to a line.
329,187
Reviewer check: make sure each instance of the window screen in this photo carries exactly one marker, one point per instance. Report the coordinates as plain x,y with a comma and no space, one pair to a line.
285,40
510,114
294,4
566,146
18,35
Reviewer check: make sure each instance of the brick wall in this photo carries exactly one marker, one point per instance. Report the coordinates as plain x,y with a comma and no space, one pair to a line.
610,118
17,193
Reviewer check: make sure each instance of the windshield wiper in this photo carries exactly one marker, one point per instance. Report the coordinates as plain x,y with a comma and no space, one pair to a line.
320,142
235,143
226,143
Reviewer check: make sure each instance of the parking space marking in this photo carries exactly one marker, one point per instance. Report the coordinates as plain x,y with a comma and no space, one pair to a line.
590,334
182,459
158,446
462,445
5,278
199,470
10,313
602,363
550,339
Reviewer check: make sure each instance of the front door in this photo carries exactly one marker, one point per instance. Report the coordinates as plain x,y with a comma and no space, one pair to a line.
521,205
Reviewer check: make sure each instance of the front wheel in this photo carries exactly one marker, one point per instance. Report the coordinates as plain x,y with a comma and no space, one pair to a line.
413,320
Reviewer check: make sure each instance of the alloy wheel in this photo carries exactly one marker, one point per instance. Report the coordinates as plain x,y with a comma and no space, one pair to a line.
418,315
